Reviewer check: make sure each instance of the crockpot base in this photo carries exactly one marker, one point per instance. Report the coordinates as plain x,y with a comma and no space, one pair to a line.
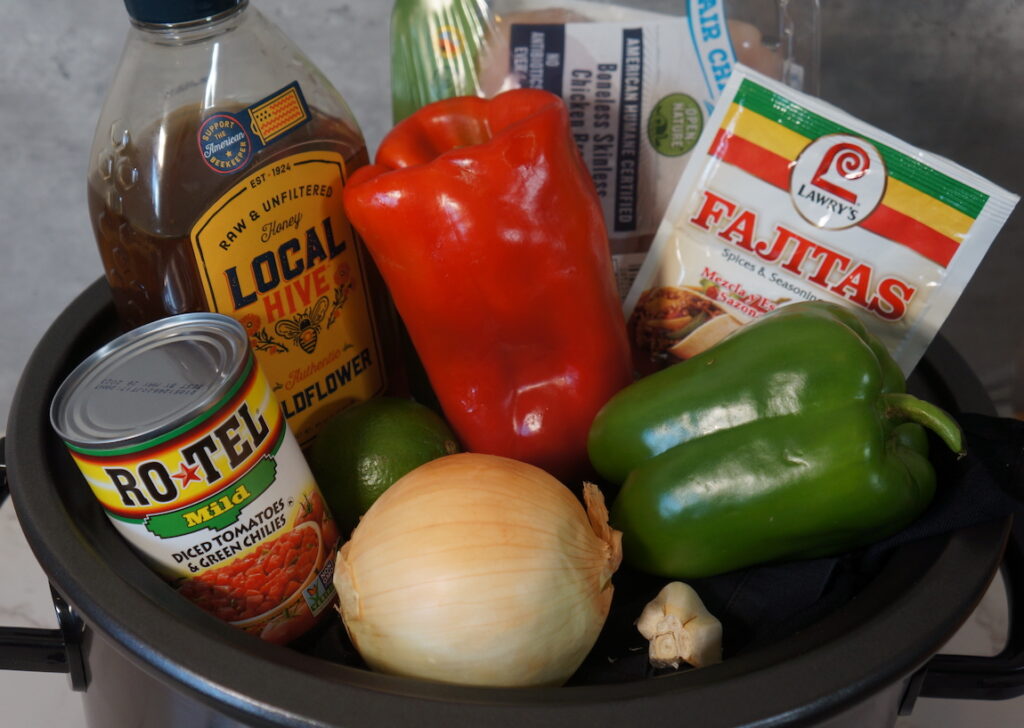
143,641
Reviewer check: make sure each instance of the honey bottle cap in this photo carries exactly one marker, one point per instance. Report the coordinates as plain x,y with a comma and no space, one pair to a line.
169,12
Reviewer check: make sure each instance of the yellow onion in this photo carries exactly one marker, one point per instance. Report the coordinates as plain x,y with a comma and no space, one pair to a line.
479,570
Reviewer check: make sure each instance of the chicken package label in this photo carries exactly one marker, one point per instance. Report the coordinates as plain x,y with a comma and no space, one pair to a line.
637,102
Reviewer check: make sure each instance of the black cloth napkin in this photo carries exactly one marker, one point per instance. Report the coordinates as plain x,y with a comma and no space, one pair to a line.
763,604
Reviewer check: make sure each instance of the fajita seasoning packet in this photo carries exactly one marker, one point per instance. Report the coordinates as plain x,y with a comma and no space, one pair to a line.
787,198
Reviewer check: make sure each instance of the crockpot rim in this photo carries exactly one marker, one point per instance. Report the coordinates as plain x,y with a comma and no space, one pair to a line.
103,596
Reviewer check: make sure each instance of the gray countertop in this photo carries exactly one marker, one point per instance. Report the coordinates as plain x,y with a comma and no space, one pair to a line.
945,76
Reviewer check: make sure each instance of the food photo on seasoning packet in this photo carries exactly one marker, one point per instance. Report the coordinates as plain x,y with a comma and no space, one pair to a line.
602,366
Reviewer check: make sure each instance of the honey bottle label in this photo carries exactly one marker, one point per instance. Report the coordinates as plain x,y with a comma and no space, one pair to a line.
277,253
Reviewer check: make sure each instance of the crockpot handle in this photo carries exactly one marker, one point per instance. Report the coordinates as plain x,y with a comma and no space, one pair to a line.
982,678
43,650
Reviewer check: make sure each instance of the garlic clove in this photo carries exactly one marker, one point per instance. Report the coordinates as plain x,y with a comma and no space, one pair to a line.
680,628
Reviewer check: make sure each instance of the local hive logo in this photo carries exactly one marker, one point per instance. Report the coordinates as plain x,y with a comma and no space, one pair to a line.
837,181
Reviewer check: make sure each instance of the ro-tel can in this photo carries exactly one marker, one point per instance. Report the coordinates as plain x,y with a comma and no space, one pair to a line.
182,440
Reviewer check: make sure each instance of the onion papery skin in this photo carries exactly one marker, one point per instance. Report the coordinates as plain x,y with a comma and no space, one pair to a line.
478,570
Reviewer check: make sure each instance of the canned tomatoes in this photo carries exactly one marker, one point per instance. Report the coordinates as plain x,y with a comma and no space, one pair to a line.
182,440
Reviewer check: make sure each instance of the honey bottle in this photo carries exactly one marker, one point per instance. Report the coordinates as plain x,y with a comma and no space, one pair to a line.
215,183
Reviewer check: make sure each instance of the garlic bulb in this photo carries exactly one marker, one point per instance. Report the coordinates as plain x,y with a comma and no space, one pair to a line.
478,570
680,628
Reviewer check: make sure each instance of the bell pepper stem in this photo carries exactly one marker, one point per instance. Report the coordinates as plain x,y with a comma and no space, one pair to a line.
901,407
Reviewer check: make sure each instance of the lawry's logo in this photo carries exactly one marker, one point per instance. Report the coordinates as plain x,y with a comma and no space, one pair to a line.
837,181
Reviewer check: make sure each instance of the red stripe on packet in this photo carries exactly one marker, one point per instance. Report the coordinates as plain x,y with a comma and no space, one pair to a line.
750,157
905,230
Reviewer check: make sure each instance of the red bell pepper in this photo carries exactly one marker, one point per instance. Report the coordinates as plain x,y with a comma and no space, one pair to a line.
487,228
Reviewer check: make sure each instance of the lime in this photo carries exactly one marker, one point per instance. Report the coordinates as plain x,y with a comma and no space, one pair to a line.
362,450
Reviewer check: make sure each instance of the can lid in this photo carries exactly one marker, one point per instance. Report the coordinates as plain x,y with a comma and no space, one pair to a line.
165,12
150,381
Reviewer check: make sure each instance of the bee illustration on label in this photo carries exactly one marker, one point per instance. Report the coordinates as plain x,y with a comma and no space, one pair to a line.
304,328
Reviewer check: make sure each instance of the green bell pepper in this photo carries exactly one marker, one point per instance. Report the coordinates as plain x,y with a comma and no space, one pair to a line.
793,438
800,358
803,486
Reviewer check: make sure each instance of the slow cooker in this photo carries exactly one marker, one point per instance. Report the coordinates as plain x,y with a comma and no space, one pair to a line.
145,656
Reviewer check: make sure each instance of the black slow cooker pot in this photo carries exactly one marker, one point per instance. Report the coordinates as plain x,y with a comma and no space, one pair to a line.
144,656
